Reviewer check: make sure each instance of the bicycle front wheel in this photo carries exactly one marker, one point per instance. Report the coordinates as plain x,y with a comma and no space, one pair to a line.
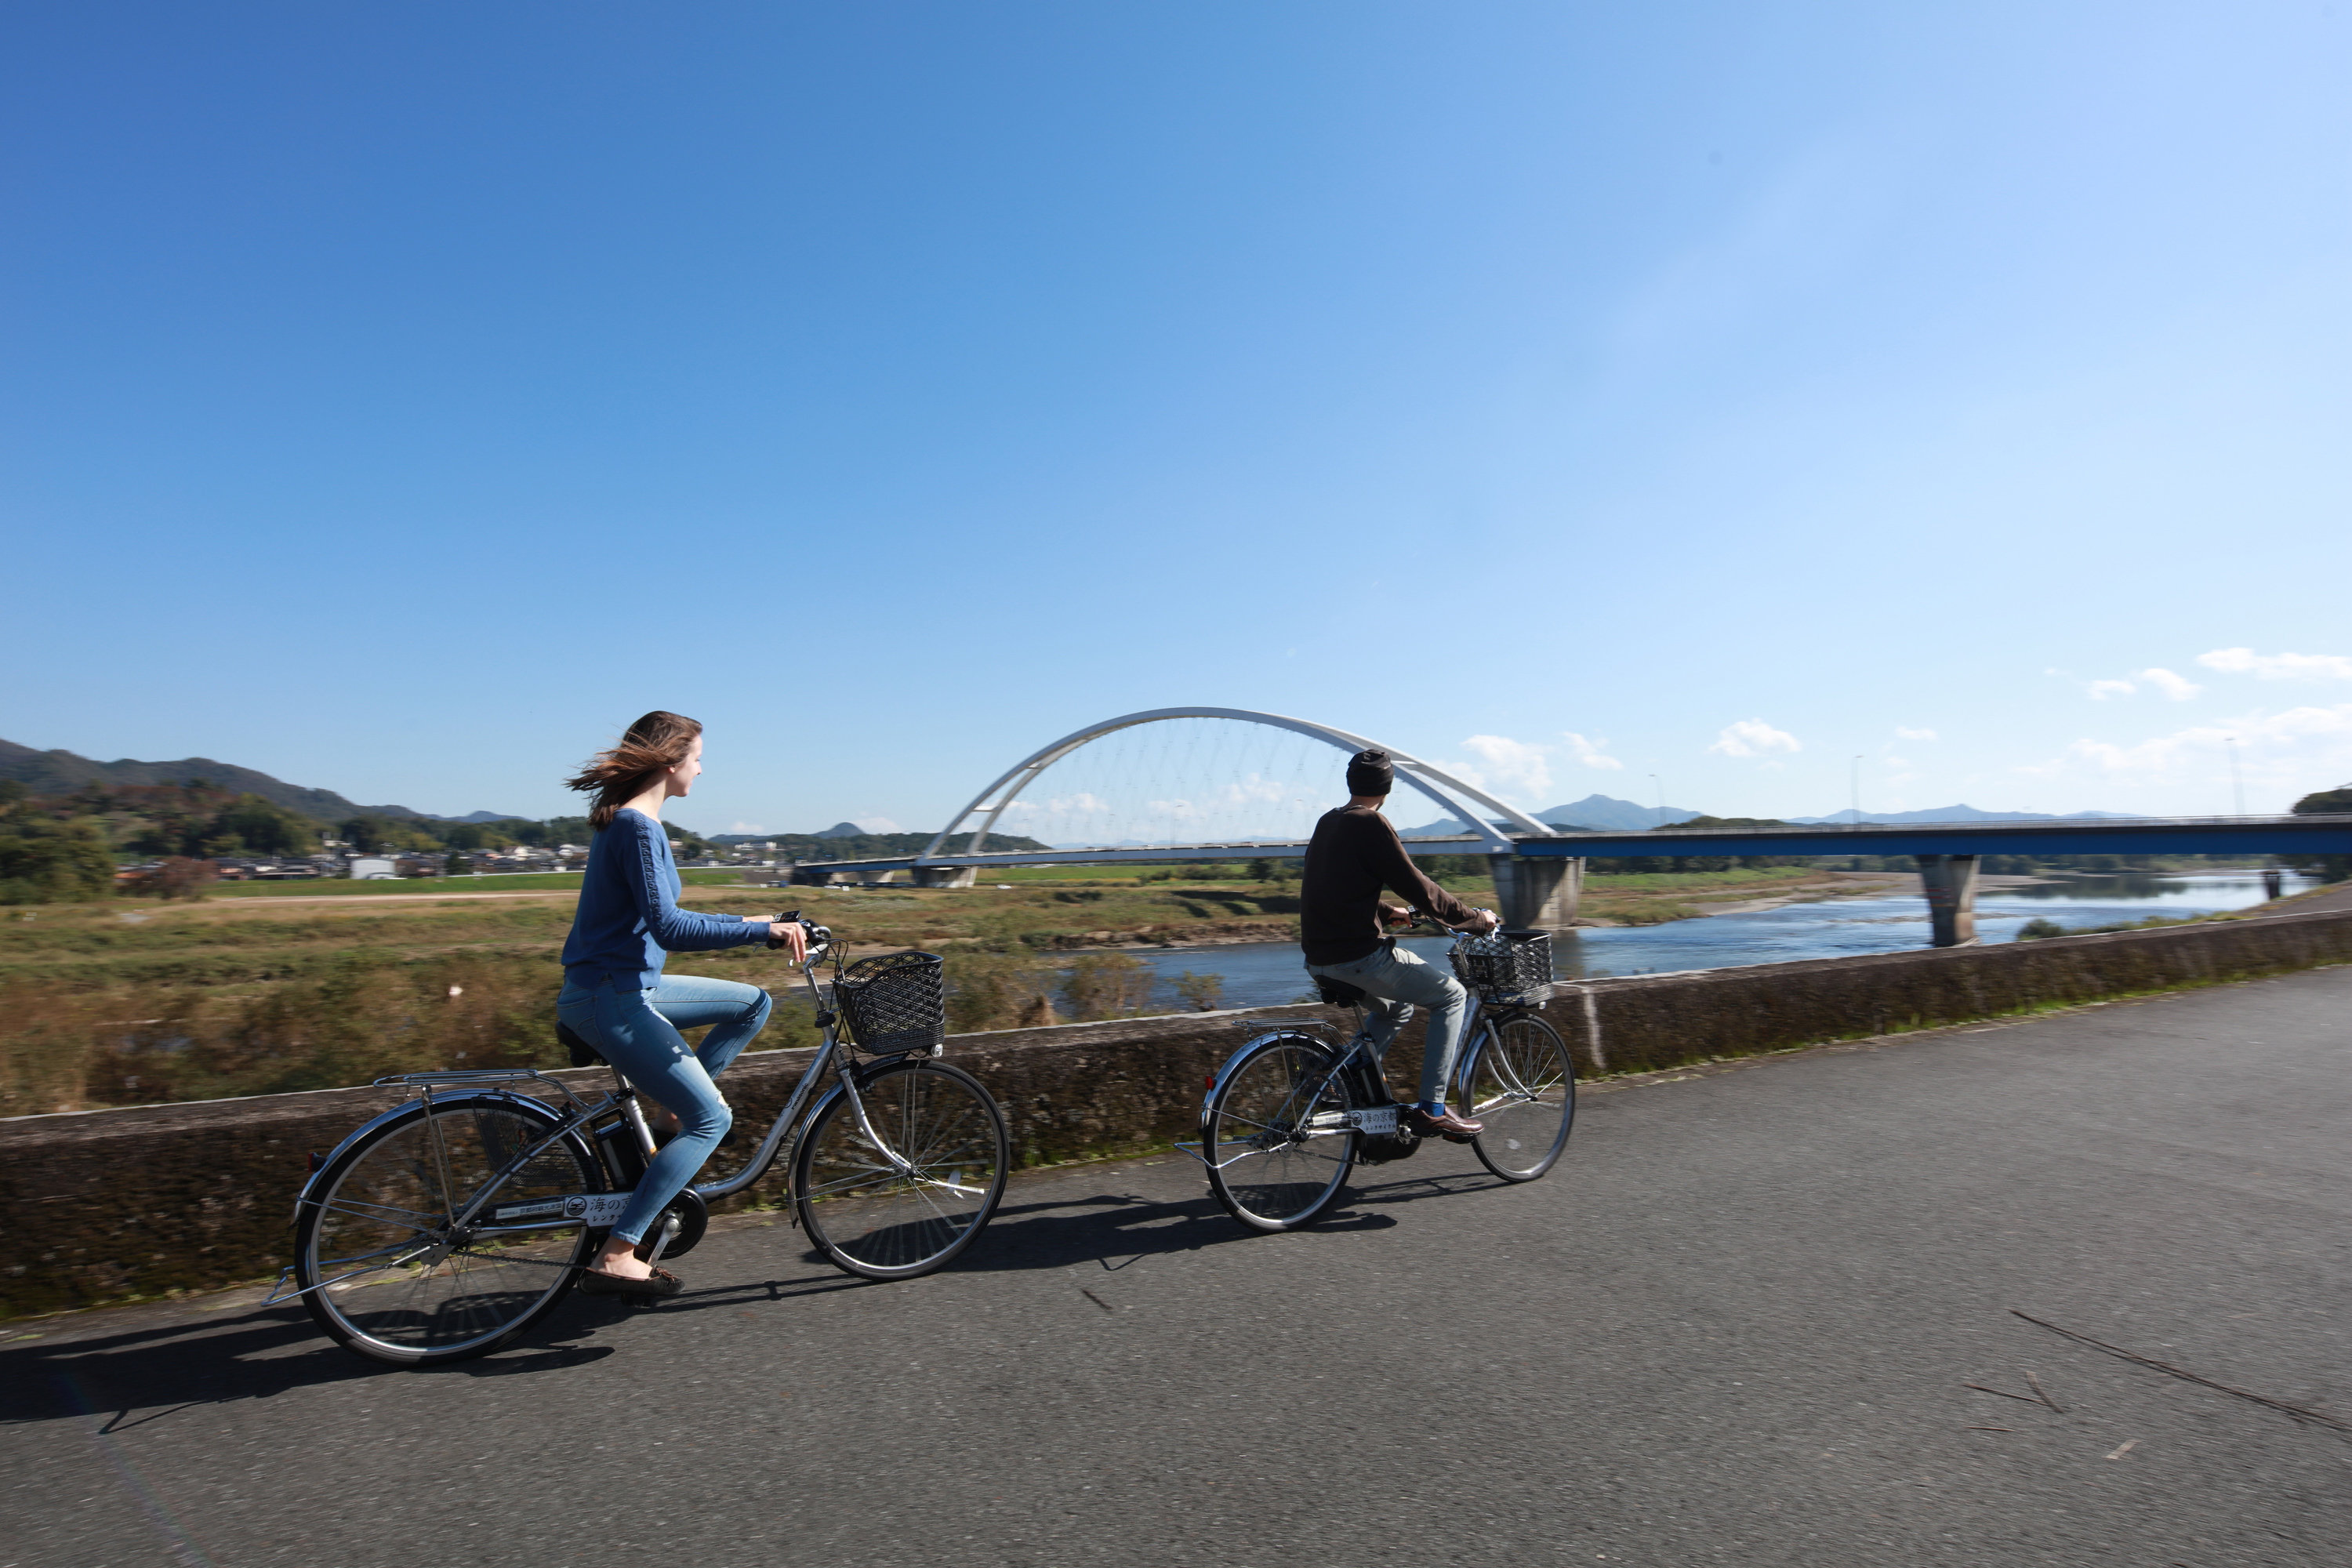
1523,1087
388,1272
876,1218
1277,1145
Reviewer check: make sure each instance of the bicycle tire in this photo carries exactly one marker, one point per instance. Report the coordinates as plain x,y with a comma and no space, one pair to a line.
870,1218
1521,1082
1262,1169
380,1272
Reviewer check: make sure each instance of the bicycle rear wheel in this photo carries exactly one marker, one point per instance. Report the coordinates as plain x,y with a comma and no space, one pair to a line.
386,1271
1523,1087
1269,1164
874,1218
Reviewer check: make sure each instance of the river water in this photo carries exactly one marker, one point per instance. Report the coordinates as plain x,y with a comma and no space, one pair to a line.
1268,975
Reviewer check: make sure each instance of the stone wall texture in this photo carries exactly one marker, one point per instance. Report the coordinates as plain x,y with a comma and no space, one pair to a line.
111,1205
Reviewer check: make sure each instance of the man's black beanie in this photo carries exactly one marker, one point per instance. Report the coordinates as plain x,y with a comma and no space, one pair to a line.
1371,773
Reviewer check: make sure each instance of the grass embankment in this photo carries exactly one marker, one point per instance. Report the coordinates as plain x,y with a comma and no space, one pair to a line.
135,1003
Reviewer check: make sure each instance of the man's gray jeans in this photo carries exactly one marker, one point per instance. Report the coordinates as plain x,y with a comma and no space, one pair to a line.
1394,982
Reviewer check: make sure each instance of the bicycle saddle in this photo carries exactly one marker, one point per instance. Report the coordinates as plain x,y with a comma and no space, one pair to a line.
583,1055
1335,993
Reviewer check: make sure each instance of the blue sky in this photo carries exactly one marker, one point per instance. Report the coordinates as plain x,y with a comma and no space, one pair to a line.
401,399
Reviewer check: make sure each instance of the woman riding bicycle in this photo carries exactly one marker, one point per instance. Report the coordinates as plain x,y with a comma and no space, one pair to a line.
618,999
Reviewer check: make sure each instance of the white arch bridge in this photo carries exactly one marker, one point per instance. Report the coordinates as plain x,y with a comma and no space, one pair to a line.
1538,868
1496,827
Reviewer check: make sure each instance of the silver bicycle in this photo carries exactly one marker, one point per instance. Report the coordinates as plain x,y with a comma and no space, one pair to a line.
1296,1108
446,1227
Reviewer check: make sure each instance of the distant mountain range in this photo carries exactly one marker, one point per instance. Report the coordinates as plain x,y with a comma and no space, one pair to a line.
1962,814
1594,813
1601,813
857,844
60,772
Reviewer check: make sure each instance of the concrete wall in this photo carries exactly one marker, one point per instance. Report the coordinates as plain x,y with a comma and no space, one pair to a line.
119,1204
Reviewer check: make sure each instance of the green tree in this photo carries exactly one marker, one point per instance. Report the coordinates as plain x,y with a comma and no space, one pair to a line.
265,828
44,861
2326,802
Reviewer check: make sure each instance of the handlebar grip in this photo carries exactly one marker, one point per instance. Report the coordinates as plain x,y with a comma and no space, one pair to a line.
819,937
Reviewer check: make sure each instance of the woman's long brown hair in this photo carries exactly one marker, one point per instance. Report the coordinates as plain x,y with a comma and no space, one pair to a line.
654,744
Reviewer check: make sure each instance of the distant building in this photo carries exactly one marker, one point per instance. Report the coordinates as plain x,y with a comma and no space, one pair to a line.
372,871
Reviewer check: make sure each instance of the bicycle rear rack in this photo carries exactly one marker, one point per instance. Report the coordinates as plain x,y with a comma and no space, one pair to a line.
424,1083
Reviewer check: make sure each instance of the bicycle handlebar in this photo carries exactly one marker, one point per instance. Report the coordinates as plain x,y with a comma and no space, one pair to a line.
819,938
1422,917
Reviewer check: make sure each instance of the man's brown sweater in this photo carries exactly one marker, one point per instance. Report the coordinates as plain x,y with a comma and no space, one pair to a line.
1353,855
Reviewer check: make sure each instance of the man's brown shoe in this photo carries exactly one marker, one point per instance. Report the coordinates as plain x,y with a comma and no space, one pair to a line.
1450,1127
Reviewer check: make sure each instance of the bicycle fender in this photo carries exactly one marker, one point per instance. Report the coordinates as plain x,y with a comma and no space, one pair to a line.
1217,1078
499,1098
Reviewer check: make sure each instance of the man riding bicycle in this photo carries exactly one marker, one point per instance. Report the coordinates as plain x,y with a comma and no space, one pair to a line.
1353,855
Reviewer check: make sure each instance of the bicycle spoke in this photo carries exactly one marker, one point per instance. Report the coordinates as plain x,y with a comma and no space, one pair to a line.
893,1220
377,1212
1278,1141
359,1210
1524,1086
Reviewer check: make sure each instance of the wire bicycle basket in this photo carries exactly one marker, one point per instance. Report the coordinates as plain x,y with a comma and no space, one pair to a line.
1507,966
896,1002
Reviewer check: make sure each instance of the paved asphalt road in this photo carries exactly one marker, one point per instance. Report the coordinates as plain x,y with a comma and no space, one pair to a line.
1738,1324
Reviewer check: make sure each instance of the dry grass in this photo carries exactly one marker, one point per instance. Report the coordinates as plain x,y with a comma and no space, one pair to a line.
124,1002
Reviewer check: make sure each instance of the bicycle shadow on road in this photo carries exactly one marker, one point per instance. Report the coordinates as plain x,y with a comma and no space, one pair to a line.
150,1374
1115,1230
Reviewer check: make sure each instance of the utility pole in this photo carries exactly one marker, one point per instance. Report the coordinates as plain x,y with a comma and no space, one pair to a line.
1857,790
1661,797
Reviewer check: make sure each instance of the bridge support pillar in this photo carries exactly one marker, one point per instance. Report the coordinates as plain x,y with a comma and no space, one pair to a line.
1537,892
946,876
1951,884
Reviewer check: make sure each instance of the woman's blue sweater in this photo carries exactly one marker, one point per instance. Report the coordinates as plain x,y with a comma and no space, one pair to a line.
628,917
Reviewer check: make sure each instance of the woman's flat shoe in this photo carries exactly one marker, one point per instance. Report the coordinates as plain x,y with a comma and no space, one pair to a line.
660,1283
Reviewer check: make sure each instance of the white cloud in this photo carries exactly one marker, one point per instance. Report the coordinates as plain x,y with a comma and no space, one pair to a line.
2279,754
877,825
1592,753
1506,764
2278,665
2102,690
747,827
1253,790
2171,685
1754,737
1908,733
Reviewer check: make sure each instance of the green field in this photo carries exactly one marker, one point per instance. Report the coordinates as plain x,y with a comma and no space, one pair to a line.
438,886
